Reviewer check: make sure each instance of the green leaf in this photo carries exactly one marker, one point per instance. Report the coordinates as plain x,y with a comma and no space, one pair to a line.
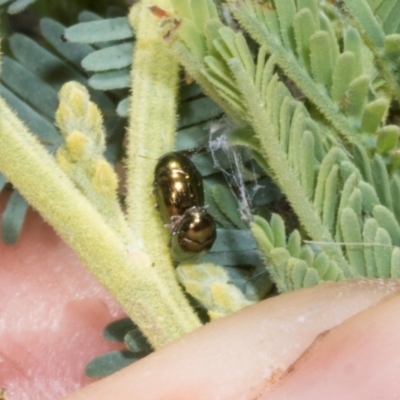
123,107
395,194
113,57
136,342
331,197
353,43
265,228
193,39
19,5
110,80
321,264
198,110
304,28
386,220
325,169
115,331
278,230
385,9
388,138
369,233
357,95
381,181
3,182
52,32
200,14
29,87
227,204
13,218
294,243
383,253
392,46
111,362
277,267
307,255
343,74
395,264
363,14
369,197
392,21
311,278
307,163
321,58
362,162
296,270
40,126
106,30
286,11
373,115
351,231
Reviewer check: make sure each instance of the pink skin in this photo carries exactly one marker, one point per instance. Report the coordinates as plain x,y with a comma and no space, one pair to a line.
338,341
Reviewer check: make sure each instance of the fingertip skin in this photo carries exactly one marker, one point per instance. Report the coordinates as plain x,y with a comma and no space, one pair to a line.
357,360
239,357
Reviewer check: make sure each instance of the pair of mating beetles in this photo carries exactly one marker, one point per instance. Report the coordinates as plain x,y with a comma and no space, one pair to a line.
178,187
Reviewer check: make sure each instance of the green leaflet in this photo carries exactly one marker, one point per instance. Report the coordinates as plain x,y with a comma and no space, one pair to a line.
362,12
369,233
395,264
369,197
294,244
330,199
395,193
111,80
373,115
388,138
106,30
383,253
109,363
13,218
115,331
17,6
114,57
307,254
350,227
381,181
321,58
278,230
357,95
324,170
321,264
227,204
387,220
286,11
278,268
353,43
343,74
304,28
392,46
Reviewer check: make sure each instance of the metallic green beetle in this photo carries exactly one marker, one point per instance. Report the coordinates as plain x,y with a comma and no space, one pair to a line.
178,188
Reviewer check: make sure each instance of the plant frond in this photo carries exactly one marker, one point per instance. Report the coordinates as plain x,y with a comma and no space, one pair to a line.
16,6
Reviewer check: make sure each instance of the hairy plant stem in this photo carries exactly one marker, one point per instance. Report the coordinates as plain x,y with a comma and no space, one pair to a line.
126,272
151,133
281,170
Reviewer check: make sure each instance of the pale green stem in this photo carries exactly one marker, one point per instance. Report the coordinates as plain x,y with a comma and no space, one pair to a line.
151,133
126,272
281,170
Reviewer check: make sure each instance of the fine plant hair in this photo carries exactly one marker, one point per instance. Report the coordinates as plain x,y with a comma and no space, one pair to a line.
306,90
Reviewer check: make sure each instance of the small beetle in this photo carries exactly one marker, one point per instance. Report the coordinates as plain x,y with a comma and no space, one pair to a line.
178,188
178,185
